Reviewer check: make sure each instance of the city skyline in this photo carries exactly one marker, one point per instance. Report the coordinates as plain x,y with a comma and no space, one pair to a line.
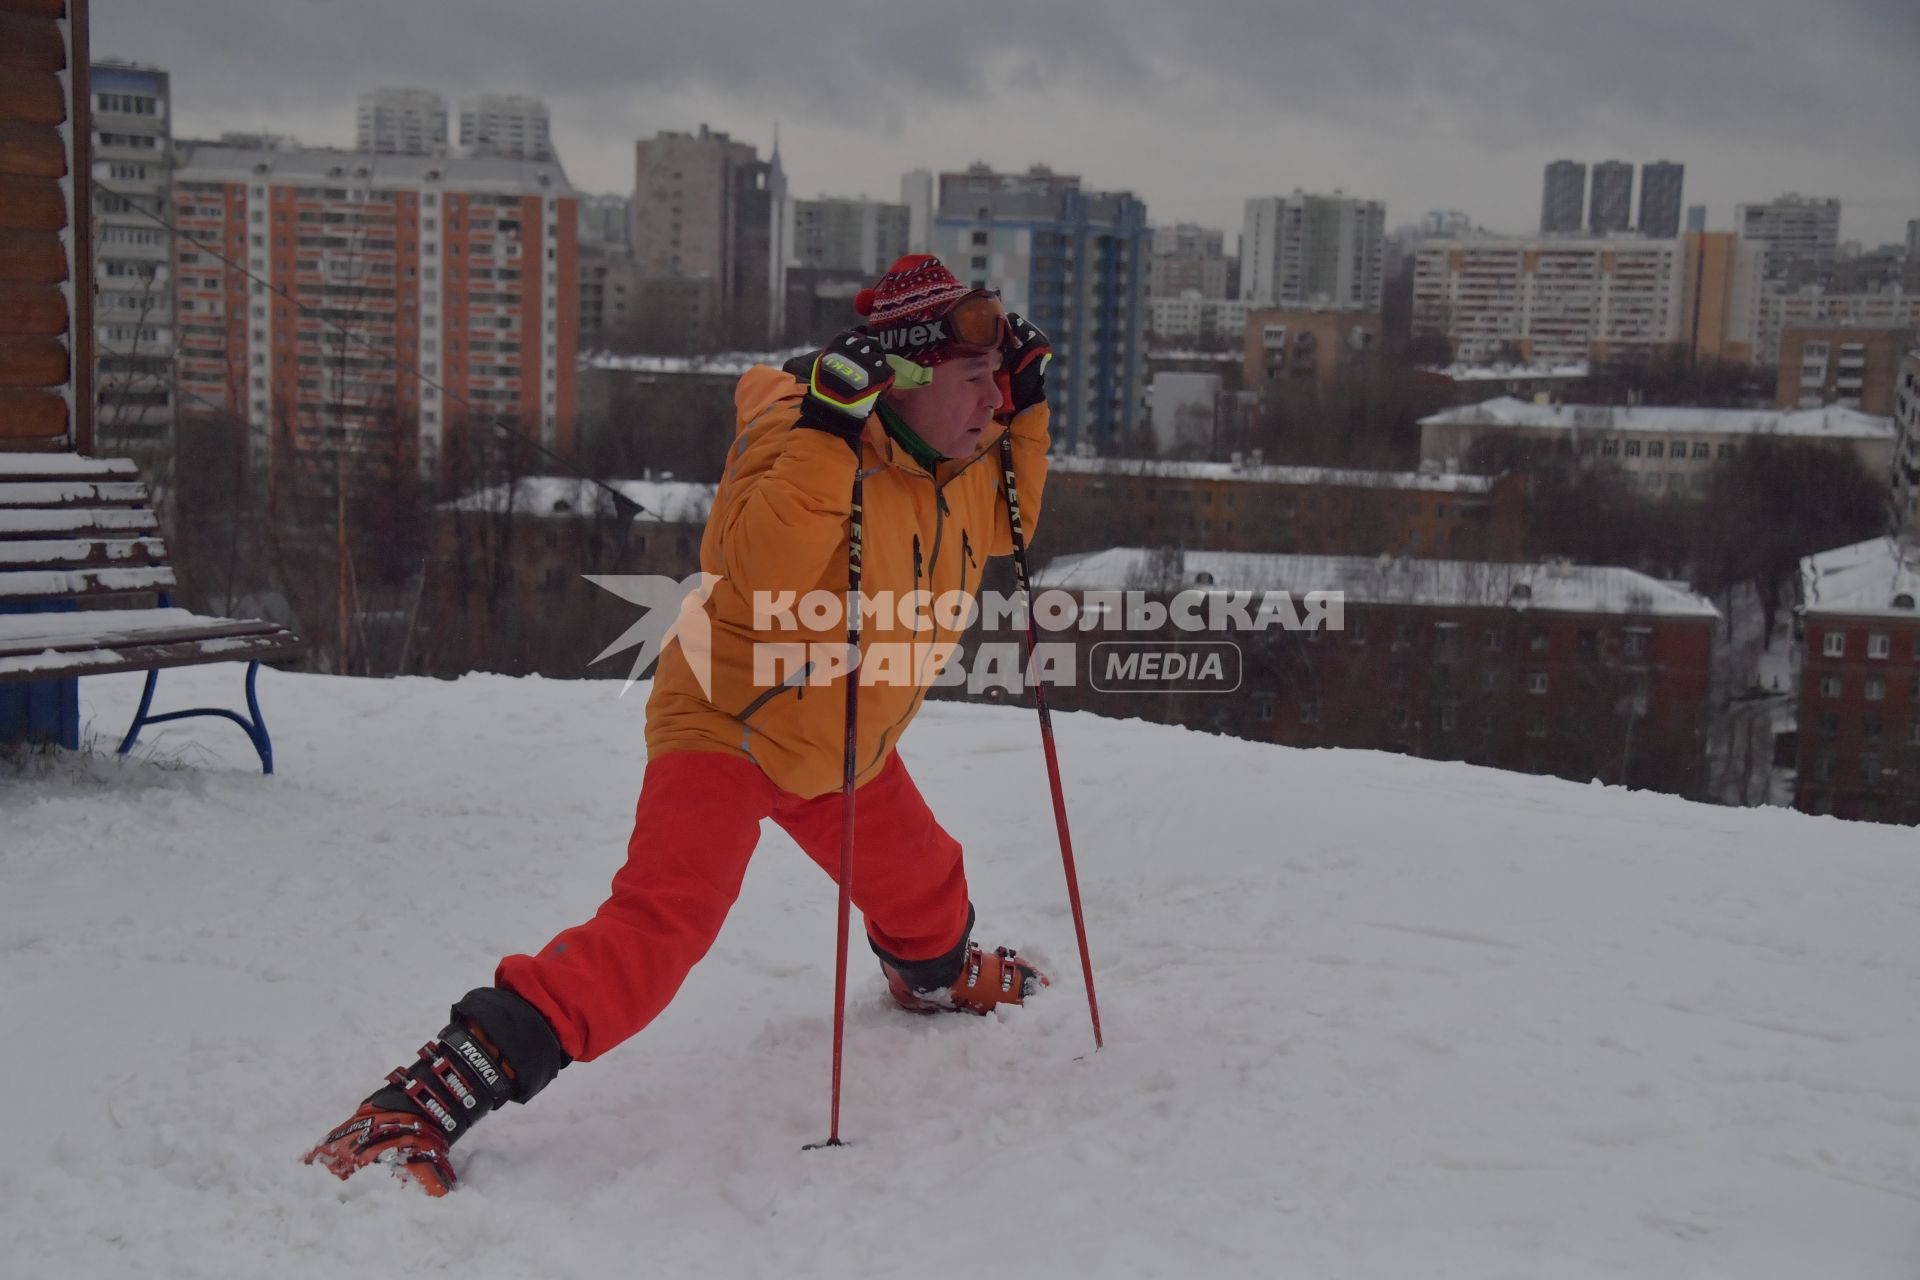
1376,102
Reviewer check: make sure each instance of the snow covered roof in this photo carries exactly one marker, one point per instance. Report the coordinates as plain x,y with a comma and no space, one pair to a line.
671,501
1869,577
1505,372
1547,588
721,364
1831,423
1260,474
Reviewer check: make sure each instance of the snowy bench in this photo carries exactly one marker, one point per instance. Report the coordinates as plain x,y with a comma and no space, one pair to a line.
84,590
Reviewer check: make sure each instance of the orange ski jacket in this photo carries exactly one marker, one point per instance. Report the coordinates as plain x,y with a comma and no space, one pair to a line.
779,530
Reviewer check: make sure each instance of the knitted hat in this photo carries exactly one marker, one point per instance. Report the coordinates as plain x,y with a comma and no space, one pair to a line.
901,309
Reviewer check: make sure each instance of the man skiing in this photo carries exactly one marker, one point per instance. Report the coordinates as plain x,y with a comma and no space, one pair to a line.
909,399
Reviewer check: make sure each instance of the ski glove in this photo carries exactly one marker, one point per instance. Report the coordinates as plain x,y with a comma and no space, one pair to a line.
1025,353
844,381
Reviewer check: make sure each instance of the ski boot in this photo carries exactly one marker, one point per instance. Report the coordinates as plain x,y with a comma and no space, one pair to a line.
497,1049
964,980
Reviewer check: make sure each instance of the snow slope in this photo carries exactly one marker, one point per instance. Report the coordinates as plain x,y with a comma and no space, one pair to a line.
1366,1016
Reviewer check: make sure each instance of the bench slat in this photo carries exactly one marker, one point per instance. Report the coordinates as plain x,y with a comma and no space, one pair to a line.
71,493
80,553
77,637
65,466
274,646
62,584
37,522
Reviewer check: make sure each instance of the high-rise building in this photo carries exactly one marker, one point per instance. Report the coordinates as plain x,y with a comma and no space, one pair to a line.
1794,229
1611,208
369,266
1913,238
1696,217
608,288
1563,198
607,219
497,124
836,248
916,192
710,228
1188,259
1906,449
402,122
1444,224
1660,189
863,237
1076,263
1191,239
1307,250
133,292
609,295
1550,298
1720,310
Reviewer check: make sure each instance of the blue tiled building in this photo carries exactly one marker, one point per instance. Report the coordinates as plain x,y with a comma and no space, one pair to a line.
1076,263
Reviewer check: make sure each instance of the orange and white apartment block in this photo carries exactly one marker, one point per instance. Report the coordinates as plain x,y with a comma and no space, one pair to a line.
387,301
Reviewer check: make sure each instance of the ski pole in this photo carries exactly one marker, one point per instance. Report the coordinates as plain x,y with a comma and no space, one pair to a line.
854,539
1046,732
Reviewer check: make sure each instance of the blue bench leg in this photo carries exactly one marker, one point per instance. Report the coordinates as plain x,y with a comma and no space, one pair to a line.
140,716
254,725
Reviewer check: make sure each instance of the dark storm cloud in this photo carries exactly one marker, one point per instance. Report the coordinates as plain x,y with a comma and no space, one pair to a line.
1483,76
1526,68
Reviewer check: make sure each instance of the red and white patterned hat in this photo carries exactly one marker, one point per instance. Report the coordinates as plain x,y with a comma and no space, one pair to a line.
917,290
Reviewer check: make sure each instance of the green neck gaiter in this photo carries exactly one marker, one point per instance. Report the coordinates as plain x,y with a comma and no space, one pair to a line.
921,452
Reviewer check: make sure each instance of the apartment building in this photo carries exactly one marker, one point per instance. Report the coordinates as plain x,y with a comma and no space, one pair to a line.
1563,198
1662,184
1551,298
133,273
710,228
1075,261
1791,229
1305,346
1851,367
1906,451
401,122
1314,250
1859,724
506,124
370,266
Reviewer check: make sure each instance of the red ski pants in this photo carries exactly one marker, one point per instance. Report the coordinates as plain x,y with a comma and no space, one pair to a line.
694,829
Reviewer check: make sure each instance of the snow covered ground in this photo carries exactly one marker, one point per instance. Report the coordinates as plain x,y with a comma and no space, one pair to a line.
1366,1016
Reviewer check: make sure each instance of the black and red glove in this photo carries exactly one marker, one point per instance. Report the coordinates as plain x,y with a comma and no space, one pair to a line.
844,381
1025,354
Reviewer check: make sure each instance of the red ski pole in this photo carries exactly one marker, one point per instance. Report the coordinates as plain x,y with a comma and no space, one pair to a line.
1046,732
854,537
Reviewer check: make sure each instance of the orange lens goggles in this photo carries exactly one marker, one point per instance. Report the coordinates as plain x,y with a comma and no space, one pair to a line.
978,320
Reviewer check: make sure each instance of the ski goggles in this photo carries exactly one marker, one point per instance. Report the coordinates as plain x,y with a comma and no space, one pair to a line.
975,325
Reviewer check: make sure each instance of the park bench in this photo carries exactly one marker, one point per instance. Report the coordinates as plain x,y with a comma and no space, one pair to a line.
85,589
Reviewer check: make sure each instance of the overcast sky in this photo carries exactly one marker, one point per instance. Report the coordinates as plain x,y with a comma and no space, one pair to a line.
1192,104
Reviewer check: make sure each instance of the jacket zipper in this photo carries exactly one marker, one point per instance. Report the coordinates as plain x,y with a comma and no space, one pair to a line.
796,681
